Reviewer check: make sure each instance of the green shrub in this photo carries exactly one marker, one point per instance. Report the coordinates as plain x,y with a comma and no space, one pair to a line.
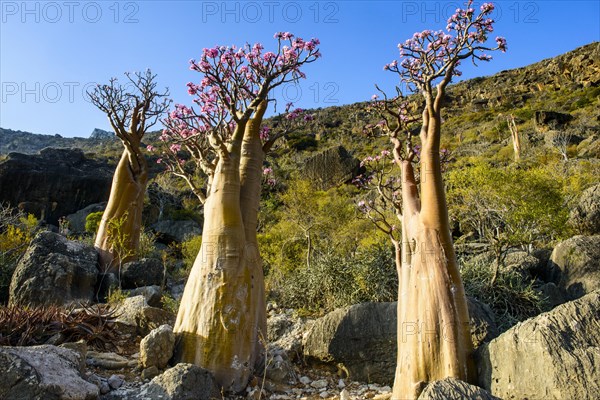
16,232
511,298
92,222
189,250
334,281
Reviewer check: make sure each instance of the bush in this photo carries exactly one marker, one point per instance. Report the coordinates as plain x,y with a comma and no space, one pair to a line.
16,232
511,298
189,250
92,222
334,281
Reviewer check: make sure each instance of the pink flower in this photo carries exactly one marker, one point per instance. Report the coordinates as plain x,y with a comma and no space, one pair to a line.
267,171
175,147
150,148
158,161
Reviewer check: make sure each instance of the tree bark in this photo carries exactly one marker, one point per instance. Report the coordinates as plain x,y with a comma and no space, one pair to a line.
221,323
434,340
126,201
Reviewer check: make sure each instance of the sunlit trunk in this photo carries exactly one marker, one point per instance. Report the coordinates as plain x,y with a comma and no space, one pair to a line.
125,203
434,340
221,321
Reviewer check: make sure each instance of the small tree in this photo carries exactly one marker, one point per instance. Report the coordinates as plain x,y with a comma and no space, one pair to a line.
223,314
131,110
434,339
515,136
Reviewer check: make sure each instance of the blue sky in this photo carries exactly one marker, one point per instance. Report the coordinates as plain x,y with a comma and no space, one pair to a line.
50,51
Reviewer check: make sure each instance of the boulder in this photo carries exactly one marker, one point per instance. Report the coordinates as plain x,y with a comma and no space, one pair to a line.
361,337
284,334
77,219
54,270
43,373
135,313
54,183
576,265
552,356
545,119
585,217
176,231
157,347
483,322
330,168
522,262
454,389
152,294
145,272
182,382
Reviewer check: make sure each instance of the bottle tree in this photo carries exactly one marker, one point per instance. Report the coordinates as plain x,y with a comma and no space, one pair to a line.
222,317
434,339
131,109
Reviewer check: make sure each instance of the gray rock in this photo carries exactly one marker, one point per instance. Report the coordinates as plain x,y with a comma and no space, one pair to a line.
178,231
55,183
42,373
54,270
483,322
135,312
331,167
145,272
108,360
552,356
553,294
115,381
576,262
361,339
585,217
150,372
545,119
77,219
157,348
454,389
152,294
182,382
284,333
521,262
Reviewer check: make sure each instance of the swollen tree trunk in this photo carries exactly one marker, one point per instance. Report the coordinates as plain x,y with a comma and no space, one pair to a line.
434,339
125,203
221,321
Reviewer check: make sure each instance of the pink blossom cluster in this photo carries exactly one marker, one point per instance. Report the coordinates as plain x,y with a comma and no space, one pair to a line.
428,55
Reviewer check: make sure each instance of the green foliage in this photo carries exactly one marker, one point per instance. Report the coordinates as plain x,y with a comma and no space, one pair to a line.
190,249
511,298
92,222
169,303
116,296
16,232
334,280
507,206
146,248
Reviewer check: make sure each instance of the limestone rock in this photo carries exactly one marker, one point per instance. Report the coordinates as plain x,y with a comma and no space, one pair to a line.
42,373
361,339
176,231
576,261
552,356
454,389
54,183
144,272
182,382
586,215
483,322
135,312
331,168
54,270
157,348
